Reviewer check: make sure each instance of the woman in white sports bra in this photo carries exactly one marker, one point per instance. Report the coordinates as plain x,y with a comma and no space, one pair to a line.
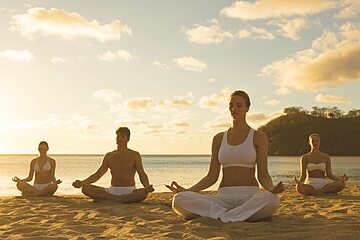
237,152
317,165
45,183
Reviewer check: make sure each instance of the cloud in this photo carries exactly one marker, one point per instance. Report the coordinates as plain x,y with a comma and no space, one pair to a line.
15,55
263,9
138,103
350,9
160,65
216,100
56,60
155,126
182,124
74,122
332,99
206,35
221,121
135,122
176,102
182,132
190,64
272,102
212,80
107,95
255,33
332,60
180,119
113,56
68,25
257,119
290,28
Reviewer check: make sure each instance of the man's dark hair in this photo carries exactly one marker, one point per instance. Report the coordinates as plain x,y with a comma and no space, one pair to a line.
124,131
44,143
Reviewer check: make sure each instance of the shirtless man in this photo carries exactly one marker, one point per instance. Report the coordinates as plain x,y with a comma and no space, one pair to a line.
123,164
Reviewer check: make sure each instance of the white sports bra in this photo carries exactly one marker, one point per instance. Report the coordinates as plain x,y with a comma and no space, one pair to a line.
45,167
316,166
242,155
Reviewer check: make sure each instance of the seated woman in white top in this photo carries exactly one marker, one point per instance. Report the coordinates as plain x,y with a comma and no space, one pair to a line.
45,183
318,166
238,150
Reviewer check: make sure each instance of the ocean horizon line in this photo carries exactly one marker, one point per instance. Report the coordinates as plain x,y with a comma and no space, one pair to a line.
102,154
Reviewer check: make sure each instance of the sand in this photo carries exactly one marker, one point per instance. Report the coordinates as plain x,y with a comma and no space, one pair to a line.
77,217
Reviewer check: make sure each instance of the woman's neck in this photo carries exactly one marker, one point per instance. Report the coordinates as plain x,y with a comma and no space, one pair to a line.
239,125
315,150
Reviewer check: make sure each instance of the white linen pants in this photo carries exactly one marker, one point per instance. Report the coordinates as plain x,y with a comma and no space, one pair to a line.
231,204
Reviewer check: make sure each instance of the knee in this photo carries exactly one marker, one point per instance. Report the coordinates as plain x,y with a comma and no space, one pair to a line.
53,186
179,198
86,189
141,194
20,185
273,200
340,184
302,189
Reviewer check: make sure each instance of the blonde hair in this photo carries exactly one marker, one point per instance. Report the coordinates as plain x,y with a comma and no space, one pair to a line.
313,135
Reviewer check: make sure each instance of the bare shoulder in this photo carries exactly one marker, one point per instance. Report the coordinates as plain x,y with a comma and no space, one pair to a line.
305,157
134,153
109,154
325,156
218,137
259,134
52,160
259,137
33,161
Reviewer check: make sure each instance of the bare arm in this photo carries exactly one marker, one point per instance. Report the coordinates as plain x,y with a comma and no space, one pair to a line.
328,169
52,173
214,170
99,173
303,169
31,172
140,170
261,160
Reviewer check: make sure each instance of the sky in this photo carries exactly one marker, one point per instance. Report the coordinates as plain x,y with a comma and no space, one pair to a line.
72,72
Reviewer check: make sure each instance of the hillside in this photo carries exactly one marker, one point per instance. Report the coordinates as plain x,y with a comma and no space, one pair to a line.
288,135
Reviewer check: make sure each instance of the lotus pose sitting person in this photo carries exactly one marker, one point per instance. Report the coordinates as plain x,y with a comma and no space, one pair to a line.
318,166
45,183
123,164
238,150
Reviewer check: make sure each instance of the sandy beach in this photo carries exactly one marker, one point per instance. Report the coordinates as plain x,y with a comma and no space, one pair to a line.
77,217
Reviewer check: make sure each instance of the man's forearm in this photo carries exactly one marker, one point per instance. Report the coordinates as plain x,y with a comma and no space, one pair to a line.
93,178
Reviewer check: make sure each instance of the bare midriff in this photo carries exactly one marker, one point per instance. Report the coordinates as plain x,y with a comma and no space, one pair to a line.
238,176
123,178
42,177
316,174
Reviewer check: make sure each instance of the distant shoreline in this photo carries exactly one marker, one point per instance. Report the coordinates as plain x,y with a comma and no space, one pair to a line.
102,154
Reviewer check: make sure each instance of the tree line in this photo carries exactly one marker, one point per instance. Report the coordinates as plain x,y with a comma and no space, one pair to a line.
325,112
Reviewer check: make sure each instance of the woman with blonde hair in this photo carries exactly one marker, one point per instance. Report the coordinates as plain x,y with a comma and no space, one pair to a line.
317,165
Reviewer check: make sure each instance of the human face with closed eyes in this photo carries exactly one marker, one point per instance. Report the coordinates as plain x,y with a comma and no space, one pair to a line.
314,141
237,107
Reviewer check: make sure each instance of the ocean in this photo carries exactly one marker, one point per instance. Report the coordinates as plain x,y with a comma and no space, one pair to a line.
161,170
